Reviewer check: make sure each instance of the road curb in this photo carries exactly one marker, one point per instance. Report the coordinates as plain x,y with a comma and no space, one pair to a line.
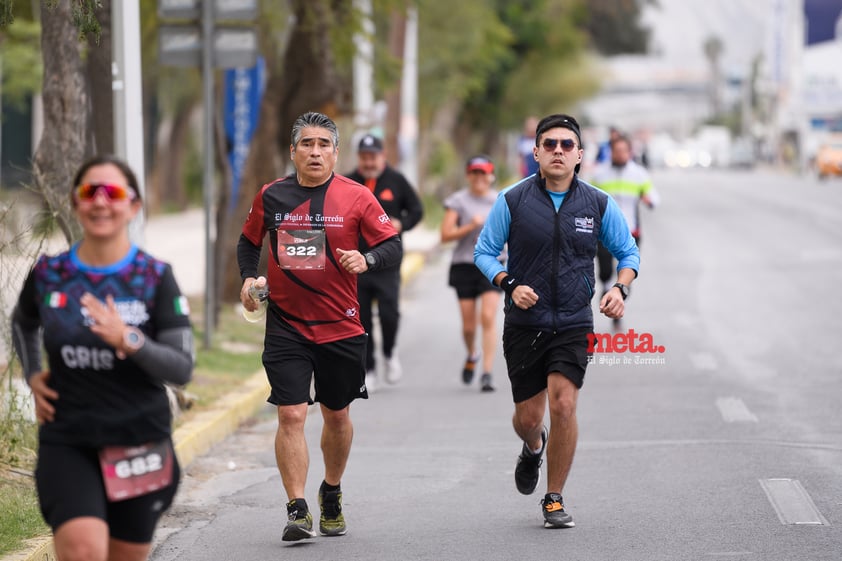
197,436
38,549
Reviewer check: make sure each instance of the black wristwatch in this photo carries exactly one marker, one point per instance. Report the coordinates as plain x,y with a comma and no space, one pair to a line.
624,289
370,260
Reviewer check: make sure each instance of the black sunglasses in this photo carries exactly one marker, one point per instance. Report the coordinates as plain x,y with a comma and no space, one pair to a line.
567,144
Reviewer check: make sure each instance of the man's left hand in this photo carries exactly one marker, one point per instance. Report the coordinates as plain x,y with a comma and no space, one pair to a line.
612,304
352,261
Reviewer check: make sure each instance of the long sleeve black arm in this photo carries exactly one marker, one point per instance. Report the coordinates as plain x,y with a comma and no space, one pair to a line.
413,212
170,357
26,338
387,253
248,257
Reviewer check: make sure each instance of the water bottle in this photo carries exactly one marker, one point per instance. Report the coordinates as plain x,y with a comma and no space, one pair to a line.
259,292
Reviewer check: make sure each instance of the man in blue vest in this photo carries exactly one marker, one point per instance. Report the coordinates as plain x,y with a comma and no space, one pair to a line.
552,222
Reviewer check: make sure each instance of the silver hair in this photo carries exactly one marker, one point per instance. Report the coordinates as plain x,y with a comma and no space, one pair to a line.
313,119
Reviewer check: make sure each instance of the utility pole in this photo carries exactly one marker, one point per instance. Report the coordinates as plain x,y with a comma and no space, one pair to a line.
364,68
408,134
127,91
208,175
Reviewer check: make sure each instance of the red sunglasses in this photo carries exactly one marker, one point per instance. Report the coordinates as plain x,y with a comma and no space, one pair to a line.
88,192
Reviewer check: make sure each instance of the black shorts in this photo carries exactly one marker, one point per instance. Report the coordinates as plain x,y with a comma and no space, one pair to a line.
532,354
70,485
469,281
337,370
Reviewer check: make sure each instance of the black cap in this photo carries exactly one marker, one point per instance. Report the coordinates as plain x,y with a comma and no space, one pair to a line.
370,143
558,120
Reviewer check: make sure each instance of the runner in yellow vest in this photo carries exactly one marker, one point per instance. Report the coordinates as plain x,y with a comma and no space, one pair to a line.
630,185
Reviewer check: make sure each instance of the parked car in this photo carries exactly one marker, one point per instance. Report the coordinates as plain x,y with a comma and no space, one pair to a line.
742,153
829,159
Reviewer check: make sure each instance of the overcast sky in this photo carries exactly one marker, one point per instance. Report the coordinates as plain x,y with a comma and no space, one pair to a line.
680,28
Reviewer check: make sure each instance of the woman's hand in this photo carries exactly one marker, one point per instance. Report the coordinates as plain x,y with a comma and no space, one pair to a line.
44,396
107,323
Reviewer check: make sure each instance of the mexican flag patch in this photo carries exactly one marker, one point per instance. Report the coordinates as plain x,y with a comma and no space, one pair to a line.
181,306
56,300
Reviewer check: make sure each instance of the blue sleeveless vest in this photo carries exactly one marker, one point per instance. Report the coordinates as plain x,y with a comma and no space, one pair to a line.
553,252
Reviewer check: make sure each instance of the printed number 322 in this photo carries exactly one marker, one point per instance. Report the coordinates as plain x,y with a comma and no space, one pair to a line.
301,250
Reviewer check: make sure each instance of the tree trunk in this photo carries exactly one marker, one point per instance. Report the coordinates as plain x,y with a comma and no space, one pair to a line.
397,40
167,189
62,148
223,214
310,83
441,130
99,74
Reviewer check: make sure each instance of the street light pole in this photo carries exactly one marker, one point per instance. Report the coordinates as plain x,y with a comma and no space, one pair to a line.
207,86
127,88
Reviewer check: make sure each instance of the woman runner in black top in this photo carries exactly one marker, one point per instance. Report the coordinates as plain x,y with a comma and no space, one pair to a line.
115,328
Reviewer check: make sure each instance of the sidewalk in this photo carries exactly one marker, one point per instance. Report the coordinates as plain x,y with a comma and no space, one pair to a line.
185,252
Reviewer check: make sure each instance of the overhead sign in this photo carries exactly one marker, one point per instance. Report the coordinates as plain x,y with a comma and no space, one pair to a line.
222,9
181,45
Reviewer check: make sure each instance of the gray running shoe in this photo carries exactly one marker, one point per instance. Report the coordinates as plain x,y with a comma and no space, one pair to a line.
528,468
300,525
555,516
332,521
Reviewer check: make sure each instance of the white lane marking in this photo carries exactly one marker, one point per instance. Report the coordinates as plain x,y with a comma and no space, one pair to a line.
734,410
703,361
791,502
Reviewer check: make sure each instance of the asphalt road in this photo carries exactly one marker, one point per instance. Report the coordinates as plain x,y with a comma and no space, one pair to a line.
728,445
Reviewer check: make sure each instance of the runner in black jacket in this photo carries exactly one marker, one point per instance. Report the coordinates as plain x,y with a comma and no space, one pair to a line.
401,203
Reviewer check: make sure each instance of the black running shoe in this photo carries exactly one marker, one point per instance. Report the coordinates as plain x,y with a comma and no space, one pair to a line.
555,516
485,383
300,524
528,468
468,369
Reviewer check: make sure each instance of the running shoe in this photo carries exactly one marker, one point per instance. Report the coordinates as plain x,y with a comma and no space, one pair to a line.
468,369
555,516
485,383
394,371
332,521
528,468
300,524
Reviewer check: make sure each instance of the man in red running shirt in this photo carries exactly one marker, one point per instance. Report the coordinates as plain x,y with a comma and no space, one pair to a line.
314,219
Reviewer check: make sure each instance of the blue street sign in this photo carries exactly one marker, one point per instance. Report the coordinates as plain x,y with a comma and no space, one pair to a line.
243,92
